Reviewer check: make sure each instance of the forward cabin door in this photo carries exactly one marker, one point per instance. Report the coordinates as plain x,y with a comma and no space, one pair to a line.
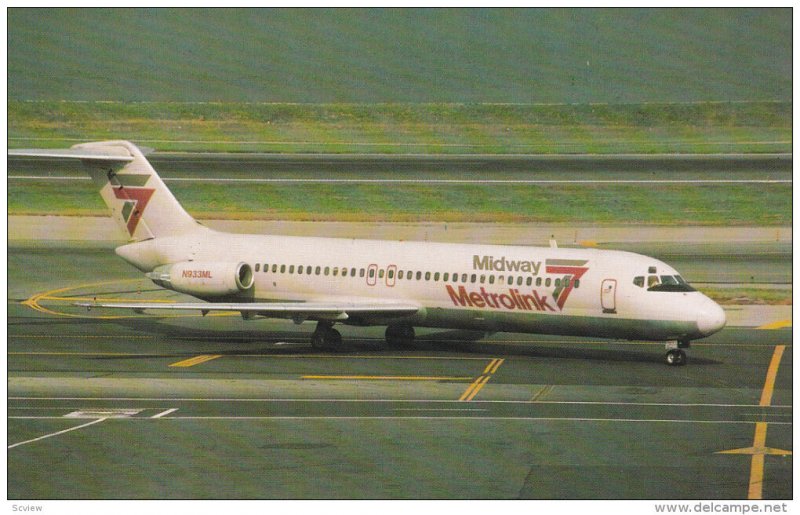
608,296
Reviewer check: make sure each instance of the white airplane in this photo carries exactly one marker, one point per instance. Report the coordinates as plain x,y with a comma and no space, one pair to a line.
402,285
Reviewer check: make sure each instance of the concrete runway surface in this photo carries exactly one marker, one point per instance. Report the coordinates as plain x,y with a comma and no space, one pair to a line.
103,405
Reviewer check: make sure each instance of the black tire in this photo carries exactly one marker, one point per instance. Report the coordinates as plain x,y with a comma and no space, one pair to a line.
326,338
676,358
400,335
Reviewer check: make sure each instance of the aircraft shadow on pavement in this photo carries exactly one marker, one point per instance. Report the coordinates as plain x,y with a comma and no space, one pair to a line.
449,341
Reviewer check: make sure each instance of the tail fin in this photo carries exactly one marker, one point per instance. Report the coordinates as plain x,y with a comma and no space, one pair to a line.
139,200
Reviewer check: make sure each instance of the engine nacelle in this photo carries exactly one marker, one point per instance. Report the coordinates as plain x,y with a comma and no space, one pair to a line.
204,279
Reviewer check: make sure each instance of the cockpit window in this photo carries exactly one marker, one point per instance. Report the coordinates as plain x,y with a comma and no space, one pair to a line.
670,283
639,281
668,279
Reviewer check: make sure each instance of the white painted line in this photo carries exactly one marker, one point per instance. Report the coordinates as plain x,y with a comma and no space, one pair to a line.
407,144
103,413
56,434
410,417
440,409
397,401
165,413
428,181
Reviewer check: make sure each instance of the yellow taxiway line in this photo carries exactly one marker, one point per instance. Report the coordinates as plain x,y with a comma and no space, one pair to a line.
759,448
780,324
481,380
196,360
389,378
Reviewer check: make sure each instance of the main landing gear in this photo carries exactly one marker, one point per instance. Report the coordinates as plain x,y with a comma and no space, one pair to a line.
676,356
400,335
326,337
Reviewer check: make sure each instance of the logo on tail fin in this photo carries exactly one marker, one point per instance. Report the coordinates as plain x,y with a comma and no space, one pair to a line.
129,188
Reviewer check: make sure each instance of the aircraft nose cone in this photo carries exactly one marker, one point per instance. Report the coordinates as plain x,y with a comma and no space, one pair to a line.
712,318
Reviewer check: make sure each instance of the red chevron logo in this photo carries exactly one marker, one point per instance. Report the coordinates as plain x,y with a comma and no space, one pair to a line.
137,199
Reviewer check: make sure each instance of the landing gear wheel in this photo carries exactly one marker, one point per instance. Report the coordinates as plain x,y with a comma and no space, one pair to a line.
326,337
676,357
400,335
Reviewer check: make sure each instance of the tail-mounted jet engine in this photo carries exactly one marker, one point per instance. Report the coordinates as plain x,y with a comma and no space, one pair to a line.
204,279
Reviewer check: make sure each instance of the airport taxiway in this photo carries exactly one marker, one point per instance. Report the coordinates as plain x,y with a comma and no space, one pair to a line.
103,405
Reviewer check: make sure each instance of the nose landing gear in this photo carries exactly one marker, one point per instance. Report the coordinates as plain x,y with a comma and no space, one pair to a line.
676,356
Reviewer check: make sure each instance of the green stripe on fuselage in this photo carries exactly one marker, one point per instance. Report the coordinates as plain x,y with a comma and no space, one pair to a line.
610,326
565,262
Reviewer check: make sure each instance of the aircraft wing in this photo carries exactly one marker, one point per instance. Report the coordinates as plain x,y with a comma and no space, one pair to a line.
334,311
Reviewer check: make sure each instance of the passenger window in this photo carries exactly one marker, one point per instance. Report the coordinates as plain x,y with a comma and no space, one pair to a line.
352,272
391,273
538,281
639,281
436,276
274,268
371,273
361,273
510,279
380,273
300,269
327,270
473,278
258,267
483,279
491,279
308,270
266,268
519,281
529,281
400,274
557,283
283,269
463,278
455,278
318,270
344,272
419,276
427,276
446,277
335,271
291,269
576,283
547,282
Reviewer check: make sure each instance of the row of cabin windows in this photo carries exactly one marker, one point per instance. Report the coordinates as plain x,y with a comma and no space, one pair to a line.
411,275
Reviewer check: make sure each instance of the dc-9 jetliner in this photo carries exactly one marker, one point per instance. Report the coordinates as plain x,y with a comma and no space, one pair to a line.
401,285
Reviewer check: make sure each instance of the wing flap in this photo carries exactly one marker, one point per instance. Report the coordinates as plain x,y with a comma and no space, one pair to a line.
312,310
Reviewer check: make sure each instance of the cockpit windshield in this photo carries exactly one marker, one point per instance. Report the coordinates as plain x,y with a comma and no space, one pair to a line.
669,283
